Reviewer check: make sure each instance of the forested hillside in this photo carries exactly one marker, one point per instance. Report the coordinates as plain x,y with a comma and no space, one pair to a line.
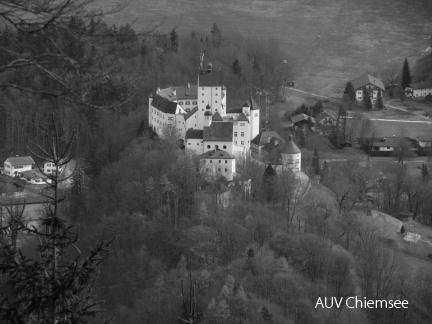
155,242
333,40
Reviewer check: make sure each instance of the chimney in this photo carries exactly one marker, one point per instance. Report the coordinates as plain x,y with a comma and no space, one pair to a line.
209,68
188,85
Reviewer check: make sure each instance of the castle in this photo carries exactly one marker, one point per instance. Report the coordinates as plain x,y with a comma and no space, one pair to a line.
200,115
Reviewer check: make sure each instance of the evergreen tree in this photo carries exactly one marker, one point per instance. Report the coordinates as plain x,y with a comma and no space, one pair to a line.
315,162
255,65
317,109
425,172
216,35
266,315
349,92
54,287
406,74
174,41
367,102
193,35
379,102
269,182
236,68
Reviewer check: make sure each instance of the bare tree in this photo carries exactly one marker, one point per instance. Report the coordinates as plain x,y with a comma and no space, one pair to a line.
391,74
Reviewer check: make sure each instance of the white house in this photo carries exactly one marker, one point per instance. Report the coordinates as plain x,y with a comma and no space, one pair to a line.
390,144
33,177
50,168
219,136
218,162
370,83
325,119
419,90
424,141
195,140
14,165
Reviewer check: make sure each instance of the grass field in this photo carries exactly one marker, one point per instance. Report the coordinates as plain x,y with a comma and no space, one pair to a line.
354,37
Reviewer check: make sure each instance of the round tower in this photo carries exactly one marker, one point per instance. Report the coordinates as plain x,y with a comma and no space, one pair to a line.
291,156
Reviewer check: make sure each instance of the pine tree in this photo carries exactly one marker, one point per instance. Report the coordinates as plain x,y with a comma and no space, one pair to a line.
266,315
349,92
315,162
174,41
54,287
425,172
406,74
193,35
379,102
236,68
367,102
317,109
216,35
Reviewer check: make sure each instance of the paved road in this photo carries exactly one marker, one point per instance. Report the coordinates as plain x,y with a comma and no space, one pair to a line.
310,93
389,105
397,120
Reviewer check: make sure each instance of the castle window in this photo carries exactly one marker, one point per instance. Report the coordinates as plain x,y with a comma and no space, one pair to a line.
220,161
256,115
226,161
215,88
224,146
242,124
194,102
180,102
208,146
219,170
242,143
211,161
242,134
226,170
203,88
187,102
235,134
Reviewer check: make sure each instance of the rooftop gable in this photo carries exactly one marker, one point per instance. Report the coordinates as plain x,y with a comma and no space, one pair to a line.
191,113
301,117
366,79
421,85
242,117
264,137
217,117
290,148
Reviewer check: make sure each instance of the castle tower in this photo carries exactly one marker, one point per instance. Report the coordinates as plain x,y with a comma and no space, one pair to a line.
291,156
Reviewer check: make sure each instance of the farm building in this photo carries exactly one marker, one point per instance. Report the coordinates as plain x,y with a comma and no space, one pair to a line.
370,83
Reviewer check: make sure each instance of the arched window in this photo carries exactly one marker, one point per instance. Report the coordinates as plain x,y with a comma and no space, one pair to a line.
180,102
208,146
187,103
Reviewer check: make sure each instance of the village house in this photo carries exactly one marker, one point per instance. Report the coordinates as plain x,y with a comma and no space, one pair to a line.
391,144
302,120
50,168
325,119
15,165
419,90
263,138
34,177
370,83
424,141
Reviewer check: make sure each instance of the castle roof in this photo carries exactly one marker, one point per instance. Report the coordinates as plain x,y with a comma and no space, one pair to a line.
164,105
186,92
190,113
216,154
219,132
242,117
194,133
20,160
323,115
366,79
217,117
251,103
290,148
210,79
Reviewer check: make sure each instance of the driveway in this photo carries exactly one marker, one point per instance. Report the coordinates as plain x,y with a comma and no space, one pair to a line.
389,105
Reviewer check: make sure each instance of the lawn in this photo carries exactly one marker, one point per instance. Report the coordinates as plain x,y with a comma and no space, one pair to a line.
332,41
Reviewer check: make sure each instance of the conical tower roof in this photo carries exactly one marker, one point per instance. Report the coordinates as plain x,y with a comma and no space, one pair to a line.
290,147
